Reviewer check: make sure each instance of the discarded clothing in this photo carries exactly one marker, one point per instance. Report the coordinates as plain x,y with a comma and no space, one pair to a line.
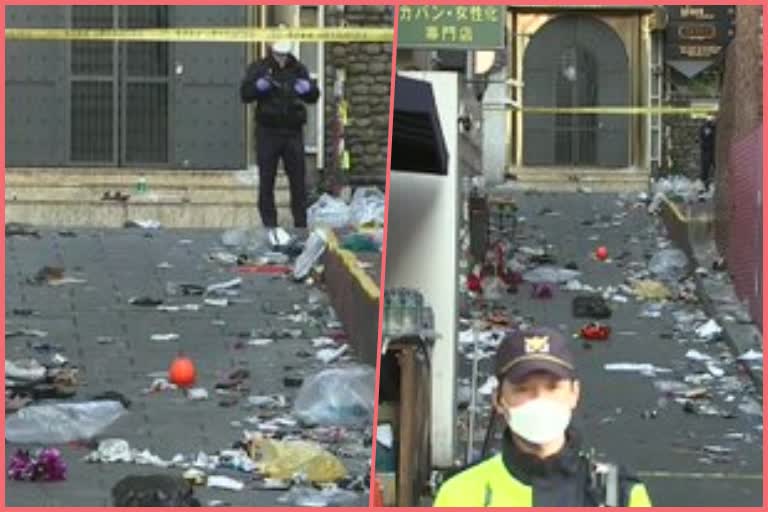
44,465
590,306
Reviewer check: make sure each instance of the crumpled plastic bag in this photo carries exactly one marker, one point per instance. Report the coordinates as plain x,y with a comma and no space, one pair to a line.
62,423
309,497
669,265
285,459
337,397
30,371
118,450
709,330
329,211
678,187
550,274
242,238
313,251
367,206
111,450
650,290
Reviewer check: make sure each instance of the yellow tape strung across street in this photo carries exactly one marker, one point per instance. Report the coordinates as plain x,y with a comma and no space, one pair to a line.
698,476
616,110
206,34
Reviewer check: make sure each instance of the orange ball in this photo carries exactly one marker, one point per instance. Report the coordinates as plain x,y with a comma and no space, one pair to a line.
182,372
602,253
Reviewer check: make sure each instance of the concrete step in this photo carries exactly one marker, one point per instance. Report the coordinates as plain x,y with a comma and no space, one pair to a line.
200,215
596,187
129,177
576,179
73,197
576,175
158,195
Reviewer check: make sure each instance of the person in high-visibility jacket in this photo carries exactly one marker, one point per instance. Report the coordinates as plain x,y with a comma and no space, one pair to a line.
542,462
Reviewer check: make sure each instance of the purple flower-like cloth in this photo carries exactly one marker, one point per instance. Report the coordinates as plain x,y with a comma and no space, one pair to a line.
542,291
51,466
21,466
47,465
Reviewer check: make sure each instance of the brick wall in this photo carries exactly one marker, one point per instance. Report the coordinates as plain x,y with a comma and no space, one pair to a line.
368,73
738,221
744,247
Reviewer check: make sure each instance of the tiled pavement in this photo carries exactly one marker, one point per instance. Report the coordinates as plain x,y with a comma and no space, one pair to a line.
119,264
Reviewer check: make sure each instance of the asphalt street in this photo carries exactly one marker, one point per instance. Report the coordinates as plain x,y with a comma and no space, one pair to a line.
108,339
686,459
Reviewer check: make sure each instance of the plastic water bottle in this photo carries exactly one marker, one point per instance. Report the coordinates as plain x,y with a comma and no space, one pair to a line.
141,185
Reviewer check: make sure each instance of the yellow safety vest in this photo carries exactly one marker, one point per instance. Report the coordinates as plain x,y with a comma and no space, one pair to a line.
489,484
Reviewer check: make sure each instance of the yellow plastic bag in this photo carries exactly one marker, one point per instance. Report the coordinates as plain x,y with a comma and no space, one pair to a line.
647,289
284,459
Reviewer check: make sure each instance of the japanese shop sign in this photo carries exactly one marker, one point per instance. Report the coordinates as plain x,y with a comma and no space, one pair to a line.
457,27
698,31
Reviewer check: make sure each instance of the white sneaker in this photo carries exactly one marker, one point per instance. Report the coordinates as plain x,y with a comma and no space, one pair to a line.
283,237
272,237
278,237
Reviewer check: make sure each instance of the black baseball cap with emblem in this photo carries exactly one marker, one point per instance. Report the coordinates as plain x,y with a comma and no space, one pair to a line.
538,349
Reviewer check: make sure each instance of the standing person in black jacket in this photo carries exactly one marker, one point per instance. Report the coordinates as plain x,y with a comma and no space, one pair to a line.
281,87
707,133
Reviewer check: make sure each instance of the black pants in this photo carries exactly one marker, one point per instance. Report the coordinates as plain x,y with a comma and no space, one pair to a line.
707,163
271,147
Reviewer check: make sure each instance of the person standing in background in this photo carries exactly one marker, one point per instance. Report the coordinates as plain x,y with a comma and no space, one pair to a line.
707,133
281,86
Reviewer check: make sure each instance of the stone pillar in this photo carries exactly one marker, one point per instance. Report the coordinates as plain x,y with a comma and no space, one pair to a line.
368,73
495,133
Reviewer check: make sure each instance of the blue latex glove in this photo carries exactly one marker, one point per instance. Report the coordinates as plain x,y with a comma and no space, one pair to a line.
263,85
302,86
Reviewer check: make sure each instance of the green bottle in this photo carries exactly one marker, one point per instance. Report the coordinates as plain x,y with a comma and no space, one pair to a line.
141,185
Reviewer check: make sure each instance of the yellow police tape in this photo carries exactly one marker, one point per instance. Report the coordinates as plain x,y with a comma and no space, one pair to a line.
617,110
352,264
206,34
698,476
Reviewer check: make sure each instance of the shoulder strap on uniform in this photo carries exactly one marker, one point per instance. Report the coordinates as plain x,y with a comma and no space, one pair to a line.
604,484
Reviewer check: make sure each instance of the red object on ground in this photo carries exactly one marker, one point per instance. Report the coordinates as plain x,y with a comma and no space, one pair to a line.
182,372
595,332
601,253
264,269
473,283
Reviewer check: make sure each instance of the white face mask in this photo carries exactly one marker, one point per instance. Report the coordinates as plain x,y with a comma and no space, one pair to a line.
281,59
539,421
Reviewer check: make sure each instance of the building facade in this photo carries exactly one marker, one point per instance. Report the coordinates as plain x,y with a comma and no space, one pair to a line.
177,105
599,57
739,160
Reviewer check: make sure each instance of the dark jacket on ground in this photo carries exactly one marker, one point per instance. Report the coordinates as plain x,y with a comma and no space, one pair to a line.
516,479
279,108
